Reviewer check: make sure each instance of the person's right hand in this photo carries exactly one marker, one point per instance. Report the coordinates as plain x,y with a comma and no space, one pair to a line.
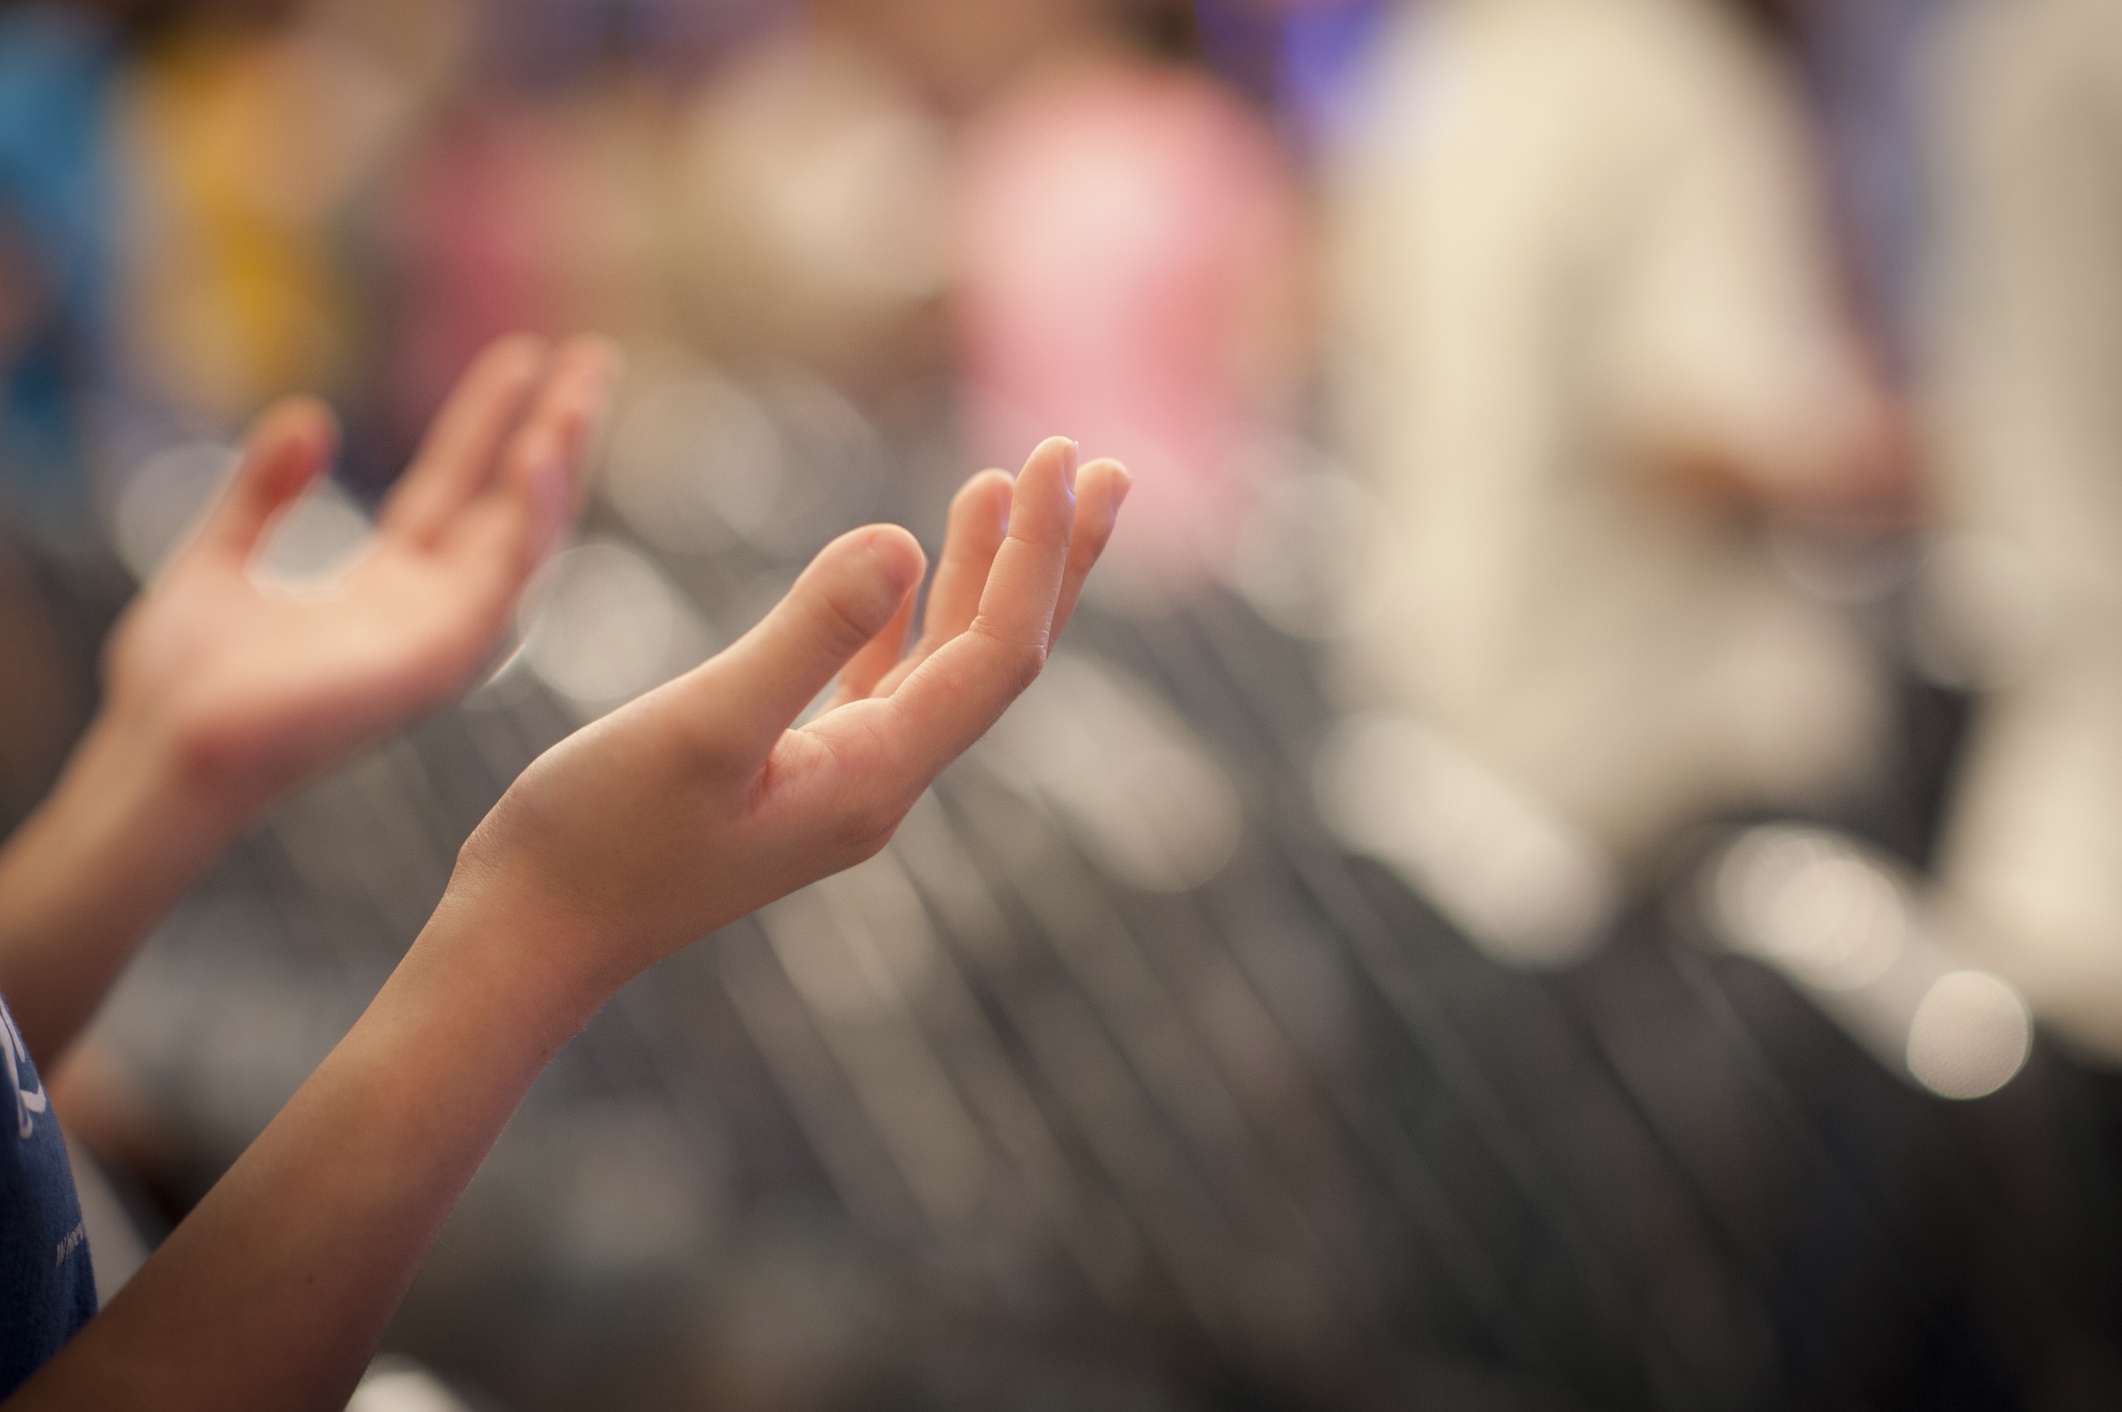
697,803
222,692
255,689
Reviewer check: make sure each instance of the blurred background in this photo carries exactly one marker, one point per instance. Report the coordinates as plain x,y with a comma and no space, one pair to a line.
1573,858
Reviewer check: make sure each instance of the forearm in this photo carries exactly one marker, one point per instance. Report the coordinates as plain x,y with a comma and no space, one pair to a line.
274,1292
124,835
663,821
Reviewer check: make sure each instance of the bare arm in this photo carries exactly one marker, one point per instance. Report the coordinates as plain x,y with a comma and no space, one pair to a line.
673,816
221,694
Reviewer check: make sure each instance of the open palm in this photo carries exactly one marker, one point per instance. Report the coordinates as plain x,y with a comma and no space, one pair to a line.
702,800
256,687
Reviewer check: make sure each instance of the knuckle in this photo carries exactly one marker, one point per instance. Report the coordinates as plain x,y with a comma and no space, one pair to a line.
844,618
869,824
1022,663
1018,658
845,600
868,847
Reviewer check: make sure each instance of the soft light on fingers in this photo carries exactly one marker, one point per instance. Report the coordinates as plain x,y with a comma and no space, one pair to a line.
1101,489
854,590
458,456
1024,585
556,434
979,521
957,692
507,529
291,442
493,546
586,373
881,656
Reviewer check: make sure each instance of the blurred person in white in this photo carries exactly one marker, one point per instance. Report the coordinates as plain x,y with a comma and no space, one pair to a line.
662,822
1594,345
2026,321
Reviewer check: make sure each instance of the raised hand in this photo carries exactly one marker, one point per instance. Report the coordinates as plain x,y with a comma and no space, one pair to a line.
253,688
699,802
221,692
657,824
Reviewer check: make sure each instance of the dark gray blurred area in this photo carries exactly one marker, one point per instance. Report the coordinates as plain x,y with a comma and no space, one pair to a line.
1119,1089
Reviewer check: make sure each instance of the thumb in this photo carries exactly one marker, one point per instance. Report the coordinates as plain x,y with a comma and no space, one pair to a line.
295,439
850,593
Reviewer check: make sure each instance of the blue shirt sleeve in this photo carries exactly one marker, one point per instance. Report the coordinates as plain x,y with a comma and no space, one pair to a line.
47,1287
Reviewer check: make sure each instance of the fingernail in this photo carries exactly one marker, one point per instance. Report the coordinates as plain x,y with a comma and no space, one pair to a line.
1123,482
1068,466
898,569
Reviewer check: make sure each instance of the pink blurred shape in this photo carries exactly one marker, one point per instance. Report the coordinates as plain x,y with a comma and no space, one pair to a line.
1131,252
475,222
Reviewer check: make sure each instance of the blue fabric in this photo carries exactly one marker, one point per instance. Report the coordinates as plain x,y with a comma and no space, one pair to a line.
47,1288
57,70
57,67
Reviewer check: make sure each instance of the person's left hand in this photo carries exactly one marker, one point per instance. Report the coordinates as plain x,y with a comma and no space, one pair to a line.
249,689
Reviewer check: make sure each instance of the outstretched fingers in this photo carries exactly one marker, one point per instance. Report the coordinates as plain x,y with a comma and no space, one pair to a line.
979,521
1101,489
958,691
457,457
295,439
856,589
495,540
1024,585
571,405
880,657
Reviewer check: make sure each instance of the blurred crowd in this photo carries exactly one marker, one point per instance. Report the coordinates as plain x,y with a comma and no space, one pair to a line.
1574,858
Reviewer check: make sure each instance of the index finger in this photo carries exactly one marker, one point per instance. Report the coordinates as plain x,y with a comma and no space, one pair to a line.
456,457
964,685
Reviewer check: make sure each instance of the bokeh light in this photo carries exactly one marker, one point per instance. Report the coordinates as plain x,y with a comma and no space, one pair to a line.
602,625
1811,901
163,498
1526,888
1971,1034
1133,782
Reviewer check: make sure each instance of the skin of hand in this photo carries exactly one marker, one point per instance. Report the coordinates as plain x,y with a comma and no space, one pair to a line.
698,802
221,693
256,689
626,841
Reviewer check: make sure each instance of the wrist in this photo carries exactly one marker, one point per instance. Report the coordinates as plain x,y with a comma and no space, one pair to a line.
495,943
123,835
133,778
